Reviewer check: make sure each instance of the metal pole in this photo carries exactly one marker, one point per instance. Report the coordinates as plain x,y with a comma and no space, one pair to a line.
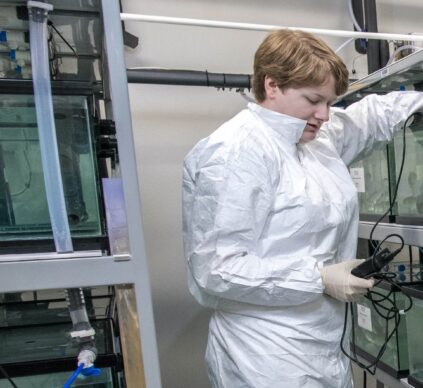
122,117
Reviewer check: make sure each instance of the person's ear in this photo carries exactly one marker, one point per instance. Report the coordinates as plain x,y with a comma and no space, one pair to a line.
270,86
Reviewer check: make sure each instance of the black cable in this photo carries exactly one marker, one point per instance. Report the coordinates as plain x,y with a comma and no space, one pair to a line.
52,51
394,197
5,374
392,313
50,23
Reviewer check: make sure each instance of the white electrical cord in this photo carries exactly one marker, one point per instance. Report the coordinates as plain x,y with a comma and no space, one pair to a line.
356,25
346,43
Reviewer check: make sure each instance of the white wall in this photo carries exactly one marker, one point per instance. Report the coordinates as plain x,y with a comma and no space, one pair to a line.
169,120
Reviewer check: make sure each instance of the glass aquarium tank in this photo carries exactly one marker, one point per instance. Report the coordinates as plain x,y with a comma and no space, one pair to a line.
415,339
50,306
409,203
36,347
371,177
369,330
75,41
24,213
48,341
403,75
106,379
48,351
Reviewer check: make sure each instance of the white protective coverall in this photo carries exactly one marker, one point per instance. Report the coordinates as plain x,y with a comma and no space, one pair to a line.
261,213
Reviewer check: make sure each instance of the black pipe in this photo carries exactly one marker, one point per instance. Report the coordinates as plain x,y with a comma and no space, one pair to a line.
377,51
7,217
372,44
80,321
188,78
384,54
360,44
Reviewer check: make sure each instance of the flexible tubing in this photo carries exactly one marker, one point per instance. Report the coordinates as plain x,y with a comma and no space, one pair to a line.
46,127
356,25
74,376
401,48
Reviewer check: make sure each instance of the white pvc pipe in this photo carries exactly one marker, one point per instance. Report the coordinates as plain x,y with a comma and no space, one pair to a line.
265,27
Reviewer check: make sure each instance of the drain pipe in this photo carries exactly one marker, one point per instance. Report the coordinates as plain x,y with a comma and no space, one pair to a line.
82,330
377,51
37,12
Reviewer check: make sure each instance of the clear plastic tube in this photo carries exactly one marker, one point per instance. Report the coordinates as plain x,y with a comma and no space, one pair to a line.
402,48
46,126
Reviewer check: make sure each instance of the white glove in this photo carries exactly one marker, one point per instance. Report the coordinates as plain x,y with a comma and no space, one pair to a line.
340,284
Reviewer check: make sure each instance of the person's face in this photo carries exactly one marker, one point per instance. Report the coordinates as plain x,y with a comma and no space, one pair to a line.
309,103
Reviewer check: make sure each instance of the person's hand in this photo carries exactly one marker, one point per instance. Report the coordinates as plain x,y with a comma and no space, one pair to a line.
340,284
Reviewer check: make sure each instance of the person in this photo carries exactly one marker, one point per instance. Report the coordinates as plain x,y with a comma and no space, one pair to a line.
270,218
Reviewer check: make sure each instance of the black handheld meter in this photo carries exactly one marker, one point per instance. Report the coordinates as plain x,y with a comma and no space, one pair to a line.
374,264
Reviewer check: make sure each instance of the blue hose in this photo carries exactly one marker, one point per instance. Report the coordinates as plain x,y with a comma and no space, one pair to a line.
74,376
90,371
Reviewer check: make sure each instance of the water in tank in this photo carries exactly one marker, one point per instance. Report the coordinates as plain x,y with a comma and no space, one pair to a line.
409,203
23,203
370,332
415,339
371,178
